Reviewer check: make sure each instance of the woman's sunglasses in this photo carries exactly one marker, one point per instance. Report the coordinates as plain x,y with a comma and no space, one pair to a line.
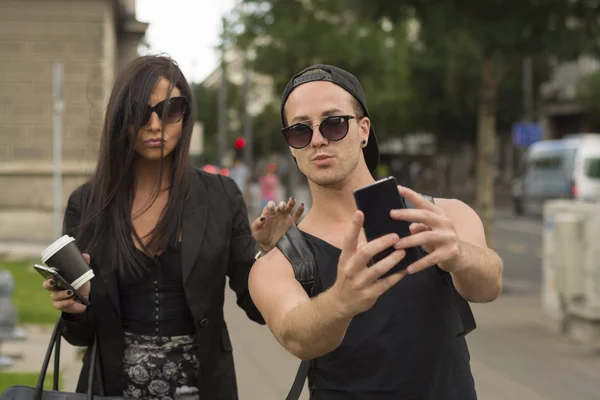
177,107
332,128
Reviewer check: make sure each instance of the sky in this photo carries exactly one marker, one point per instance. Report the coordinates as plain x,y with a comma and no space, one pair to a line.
186,30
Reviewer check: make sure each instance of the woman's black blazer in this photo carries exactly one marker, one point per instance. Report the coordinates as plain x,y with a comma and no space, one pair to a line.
216,243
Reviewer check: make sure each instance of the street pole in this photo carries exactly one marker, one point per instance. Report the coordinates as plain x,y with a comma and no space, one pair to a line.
222,105
247,121
528,89
528,116
58,109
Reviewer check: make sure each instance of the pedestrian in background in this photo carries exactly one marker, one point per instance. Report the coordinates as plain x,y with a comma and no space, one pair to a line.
269,184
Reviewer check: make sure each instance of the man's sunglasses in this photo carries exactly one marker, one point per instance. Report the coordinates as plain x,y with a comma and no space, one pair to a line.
177,107
333,128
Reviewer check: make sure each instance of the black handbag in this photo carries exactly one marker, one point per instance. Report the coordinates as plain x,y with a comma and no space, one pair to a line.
38,393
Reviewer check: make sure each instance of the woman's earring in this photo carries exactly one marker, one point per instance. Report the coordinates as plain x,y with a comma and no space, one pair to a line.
364,143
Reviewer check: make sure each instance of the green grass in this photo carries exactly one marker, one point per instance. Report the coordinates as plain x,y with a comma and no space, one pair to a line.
8,379
31,301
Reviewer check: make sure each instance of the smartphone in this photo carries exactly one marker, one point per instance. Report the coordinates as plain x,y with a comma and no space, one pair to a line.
376,201
61,283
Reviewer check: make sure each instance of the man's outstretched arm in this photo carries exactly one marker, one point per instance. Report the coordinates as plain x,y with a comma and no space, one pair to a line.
306,327
309,328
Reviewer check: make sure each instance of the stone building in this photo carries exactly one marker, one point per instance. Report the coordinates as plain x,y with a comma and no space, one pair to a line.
92,39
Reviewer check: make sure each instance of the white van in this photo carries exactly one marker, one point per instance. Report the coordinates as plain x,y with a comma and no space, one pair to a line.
555,169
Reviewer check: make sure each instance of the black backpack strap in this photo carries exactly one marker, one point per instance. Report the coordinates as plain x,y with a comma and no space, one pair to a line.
461,306
295,248
298,385
298,252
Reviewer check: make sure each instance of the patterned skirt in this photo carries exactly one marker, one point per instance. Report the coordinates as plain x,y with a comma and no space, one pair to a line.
165,368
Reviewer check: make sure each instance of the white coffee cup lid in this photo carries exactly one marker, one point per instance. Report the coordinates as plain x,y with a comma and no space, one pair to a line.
55,247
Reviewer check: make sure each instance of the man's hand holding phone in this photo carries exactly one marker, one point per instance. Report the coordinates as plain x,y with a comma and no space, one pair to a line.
358,287
432,229
65,301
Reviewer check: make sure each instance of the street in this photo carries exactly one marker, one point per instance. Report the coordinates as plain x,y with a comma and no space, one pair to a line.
518,240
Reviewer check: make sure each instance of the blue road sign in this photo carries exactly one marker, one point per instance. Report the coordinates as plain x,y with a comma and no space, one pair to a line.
525,134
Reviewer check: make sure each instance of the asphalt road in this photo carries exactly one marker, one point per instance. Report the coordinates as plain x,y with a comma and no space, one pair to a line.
518,240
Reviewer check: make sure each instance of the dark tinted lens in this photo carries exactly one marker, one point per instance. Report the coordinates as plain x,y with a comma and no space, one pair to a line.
147,114
146,111
334,128
298,136
176,110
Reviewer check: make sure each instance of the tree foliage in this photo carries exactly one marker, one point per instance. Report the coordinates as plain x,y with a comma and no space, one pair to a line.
503,33
288,36
588,96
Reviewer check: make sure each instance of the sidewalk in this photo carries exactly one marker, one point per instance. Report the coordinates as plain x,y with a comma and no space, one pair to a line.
515,356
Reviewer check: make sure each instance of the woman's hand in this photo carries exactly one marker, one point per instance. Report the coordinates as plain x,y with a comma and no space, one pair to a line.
63,300
275,221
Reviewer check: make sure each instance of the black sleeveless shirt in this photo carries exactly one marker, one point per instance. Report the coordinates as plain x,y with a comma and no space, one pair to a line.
408,346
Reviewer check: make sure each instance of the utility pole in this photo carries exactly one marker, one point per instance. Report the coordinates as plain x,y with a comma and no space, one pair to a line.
528,113
528,89
222,105
248,149
58,73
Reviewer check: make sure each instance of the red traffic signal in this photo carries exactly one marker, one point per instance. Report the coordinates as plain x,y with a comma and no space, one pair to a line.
240,143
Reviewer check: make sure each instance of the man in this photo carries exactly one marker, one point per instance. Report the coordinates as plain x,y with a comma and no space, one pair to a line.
240,174
371,335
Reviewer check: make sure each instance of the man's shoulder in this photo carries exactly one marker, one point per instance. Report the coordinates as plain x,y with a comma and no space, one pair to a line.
457,209
272,265
444,203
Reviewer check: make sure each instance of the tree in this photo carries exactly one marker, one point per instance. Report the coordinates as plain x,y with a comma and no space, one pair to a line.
588,96
504,33
207,112
289,35
445,82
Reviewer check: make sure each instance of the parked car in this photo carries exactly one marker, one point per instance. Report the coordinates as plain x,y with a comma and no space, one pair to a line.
567,168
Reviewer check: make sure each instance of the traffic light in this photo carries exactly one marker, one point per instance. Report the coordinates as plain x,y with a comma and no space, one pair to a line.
240,143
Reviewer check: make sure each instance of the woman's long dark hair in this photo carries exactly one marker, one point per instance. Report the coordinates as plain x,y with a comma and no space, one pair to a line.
106,227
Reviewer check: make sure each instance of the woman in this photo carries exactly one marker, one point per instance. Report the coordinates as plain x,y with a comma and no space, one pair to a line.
161,238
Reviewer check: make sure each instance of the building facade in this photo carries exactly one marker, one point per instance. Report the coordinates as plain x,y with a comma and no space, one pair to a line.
92,39
563,115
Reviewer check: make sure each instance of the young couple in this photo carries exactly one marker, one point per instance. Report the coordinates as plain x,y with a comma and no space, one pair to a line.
162,237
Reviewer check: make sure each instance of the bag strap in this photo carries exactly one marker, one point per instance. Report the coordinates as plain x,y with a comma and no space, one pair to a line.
298,385
56,363
55,341
294,247
42,377
94,368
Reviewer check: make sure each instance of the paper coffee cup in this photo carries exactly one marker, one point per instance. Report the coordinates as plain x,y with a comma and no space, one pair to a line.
64,256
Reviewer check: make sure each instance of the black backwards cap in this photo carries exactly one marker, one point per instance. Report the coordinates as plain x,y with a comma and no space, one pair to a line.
349,83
